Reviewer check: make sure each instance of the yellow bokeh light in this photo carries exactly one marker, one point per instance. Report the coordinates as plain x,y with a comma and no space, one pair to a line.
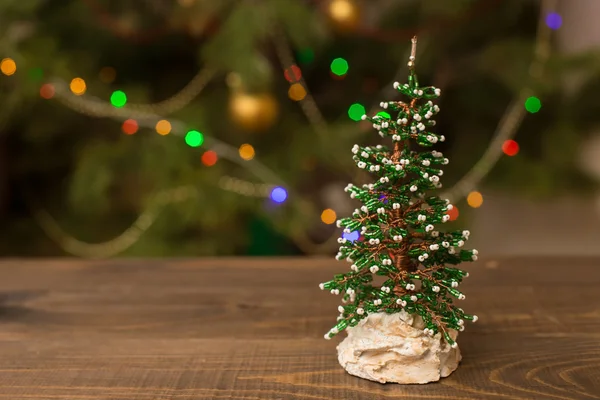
341,10
8,66
297,92
163,127
247,152
475,199
328,216
78,86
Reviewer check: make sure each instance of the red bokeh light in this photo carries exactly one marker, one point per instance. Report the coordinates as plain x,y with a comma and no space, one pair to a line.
510,147
130,127
453,213
293,74
209,158
47,91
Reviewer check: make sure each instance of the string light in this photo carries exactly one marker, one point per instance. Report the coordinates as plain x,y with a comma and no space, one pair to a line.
209,158
475,199
47,91
194,138
247,152
8,66
78,86
163,127
328,216
339,67
510,148
356,111
293,74
279,194
107,74
118,98
553,20
453,213
533,104
297,92
130,126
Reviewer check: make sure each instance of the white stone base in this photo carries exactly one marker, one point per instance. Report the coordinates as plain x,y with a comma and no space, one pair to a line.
393,348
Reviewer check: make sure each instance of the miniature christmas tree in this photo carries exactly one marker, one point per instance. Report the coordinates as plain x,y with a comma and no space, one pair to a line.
401,240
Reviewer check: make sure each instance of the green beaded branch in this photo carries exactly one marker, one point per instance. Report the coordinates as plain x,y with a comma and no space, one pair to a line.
398,223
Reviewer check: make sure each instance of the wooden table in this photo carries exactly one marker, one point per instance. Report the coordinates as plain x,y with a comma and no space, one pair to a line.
253,329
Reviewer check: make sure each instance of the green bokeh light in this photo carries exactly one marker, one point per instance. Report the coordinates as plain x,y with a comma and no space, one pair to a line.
384,114
306,56
118,98
533,104
356,111
36,74
339,66
194,138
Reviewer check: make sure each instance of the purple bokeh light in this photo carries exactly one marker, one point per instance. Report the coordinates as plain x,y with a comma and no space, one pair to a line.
352,236
553,20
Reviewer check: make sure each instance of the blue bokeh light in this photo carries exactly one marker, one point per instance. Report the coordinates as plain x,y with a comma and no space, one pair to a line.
553,20
279,194
352,236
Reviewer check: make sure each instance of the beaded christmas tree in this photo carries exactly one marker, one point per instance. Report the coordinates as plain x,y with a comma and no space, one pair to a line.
398,222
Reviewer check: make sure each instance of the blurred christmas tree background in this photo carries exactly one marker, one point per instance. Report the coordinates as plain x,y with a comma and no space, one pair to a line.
225,127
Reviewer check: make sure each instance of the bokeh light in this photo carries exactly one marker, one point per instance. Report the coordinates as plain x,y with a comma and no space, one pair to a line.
194,138
47,91
36,74
453,213
297,92
247,152
293,74
8,66
118,98
328,216
475,199
533,104
163,127
352,236
339,66
279,194
553,20
356,111
78,86
209,158
107,74
130,126
510,148
306,55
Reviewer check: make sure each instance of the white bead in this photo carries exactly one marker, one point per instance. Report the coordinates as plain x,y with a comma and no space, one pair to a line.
442,138
445,218
451,250
450,207
396,206
346,230
428,228
426,163
436,108
475,252
413,188
454,284
334,330
466,233
364,117
407,287
460,243
475,318
454,345
446,161
474,257
434,247
461,322
354,267
374,269
396,137
421,258
420,93
341,309
461,296
414,298
425,175
435,234
438,91
445,244
321,286
360,311
326,336
417,117
435,289
364,209
396,85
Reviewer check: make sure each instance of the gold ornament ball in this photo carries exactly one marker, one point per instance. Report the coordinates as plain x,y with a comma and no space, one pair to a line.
344,14
253,112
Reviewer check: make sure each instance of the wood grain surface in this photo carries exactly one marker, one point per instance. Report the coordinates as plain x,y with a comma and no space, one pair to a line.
253,328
